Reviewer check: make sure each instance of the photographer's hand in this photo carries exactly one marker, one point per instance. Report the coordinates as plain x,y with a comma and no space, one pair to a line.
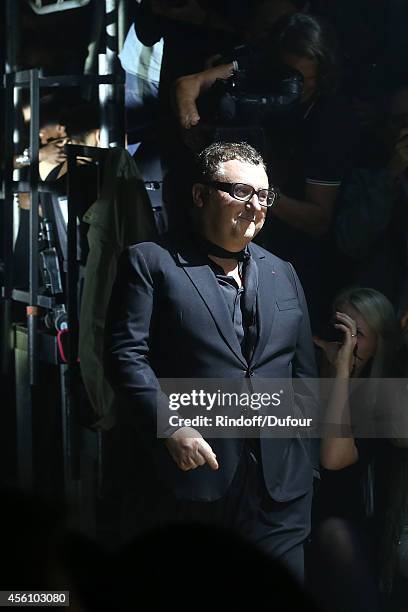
188,89
53,153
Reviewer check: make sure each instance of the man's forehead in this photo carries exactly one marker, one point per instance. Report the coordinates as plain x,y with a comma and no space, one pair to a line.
239,171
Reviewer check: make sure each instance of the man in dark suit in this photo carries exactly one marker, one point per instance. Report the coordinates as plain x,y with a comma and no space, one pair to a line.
213,305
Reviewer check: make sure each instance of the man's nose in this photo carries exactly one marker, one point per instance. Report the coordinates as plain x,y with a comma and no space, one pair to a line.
254,202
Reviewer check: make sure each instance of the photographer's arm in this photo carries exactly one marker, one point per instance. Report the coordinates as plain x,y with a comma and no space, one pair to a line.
190,11
188,88
311,215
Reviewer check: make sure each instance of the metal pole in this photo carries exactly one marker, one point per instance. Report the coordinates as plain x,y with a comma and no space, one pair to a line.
111,97
72,373
8,216
32,308
70,442
123,23
13,39
72,267
97,31
24,413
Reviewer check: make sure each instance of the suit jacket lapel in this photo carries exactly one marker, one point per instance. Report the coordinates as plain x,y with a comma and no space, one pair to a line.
207,286
265,307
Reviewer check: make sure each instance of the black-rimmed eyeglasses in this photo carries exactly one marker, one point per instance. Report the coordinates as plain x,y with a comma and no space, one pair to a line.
243,192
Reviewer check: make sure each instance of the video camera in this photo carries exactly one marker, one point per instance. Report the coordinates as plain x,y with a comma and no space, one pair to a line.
256,104
257,92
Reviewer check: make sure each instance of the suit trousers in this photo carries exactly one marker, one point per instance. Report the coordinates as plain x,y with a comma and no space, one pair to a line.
279,529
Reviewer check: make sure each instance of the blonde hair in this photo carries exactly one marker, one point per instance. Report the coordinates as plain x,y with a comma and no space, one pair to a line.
379,314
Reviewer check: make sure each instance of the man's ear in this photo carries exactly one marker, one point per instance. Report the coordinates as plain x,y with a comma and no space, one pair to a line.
199,194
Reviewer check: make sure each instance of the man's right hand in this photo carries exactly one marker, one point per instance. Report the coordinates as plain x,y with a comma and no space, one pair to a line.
189,449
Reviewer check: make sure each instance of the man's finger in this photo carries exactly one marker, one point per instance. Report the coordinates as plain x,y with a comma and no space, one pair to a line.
206,451
199,459
187,464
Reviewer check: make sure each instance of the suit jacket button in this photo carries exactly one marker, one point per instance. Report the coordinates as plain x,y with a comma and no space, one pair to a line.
250,372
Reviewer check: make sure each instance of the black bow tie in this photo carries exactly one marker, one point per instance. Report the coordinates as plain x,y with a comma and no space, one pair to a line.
213,249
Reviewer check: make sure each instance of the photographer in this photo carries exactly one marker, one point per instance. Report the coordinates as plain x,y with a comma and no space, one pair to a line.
52,139
52,135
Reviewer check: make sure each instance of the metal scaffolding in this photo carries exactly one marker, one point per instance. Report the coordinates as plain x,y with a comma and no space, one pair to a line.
30,344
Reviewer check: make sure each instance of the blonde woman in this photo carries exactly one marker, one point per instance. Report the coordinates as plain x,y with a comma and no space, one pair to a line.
345,511
369,349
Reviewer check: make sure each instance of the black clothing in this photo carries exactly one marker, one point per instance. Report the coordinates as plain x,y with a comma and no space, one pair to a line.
86,177
241,301
348,493
277,528
371,230
233,298
54,208
315,147
186,45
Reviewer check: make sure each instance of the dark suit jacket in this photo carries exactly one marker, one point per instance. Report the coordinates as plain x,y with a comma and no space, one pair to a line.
168,319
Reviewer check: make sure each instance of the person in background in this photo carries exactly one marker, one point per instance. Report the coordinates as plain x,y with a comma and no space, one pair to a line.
349,504
142,66
394,536
52,135
371,223
52,139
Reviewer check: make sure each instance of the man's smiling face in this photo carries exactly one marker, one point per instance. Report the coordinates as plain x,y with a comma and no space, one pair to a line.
224,220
